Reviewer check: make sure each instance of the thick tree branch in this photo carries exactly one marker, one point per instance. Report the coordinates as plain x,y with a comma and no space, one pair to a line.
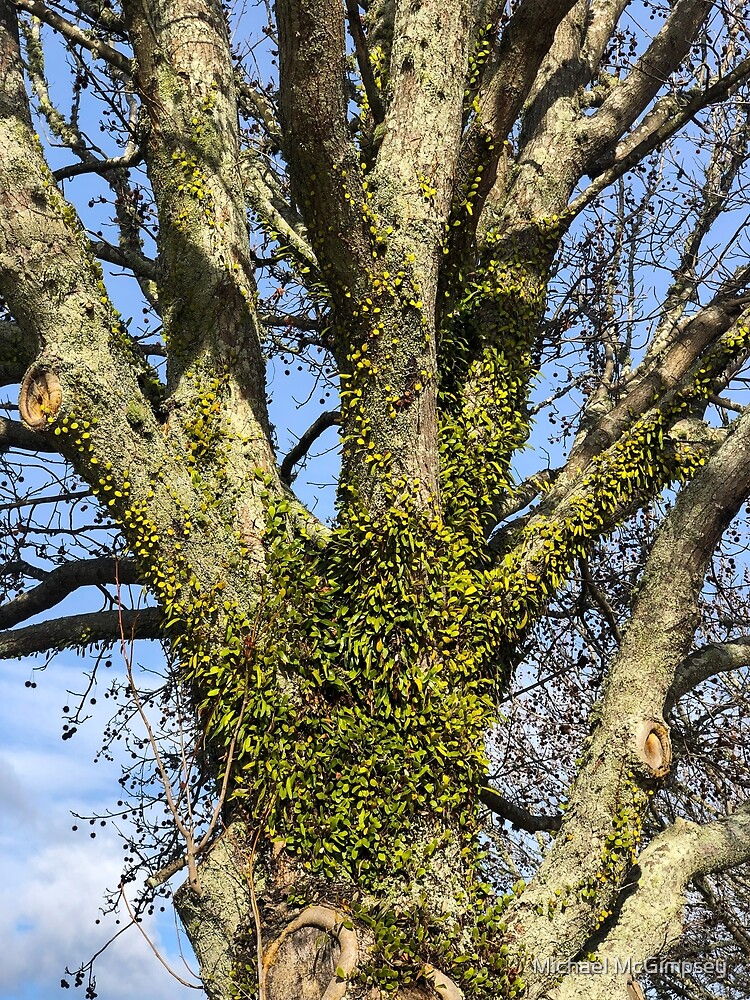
422,133
650,919
627,101
524,44
74,34
730,298
522,496
255,104
264,196
94,166
19,567
692,344
603,18
716,658
323,160
102,15
63,581
507,81
14,434
311,435
91,382
631,736
517,816
540,176
666,118
193,160
81,630
142,266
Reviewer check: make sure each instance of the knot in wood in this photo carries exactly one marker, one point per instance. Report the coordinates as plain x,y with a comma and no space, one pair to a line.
40,398
654,747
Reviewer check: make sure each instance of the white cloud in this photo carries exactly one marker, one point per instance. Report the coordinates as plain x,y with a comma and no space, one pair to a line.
52,880
48,908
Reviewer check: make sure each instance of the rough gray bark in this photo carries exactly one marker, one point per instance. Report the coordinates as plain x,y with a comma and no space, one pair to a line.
629,747
425,228
650,918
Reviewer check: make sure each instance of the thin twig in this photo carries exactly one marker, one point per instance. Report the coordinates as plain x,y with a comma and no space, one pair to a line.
256,917
186,832
604,606
151,944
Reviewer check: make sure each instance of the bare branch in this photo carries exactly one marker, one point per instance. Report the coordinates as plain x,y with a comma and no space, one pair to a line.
298,452
142,266
70,31
716,658
517,816
93,166
256,105
165,874
69,132
601,600
665,119
631,97
64,580
739,933
80,630
136,921
650,920
290,322
264,196
14,434
631,735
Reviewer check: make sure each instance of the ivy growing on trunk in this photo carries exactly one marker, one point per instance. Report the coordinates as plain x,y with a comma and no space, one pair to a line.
437,206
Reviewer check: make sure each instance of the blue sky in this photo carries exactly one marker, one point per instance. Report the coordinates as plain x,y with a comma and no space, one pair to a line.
52,880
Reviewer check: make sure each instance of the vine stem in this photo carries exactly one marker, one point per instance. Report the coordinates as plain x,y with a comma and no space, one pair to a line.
256,917
335,923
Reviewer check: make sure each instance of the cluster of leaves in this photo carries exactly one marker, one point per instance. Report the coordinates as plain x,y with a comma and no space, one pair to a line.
485,383
365,704
473,956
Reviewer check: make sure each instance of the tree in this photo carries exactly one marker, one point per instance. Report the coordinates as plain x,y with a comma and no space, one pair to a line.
445,204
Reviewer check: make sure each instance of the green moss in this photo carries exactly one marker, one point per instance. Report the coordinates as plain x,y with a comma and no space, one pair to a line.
136,414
